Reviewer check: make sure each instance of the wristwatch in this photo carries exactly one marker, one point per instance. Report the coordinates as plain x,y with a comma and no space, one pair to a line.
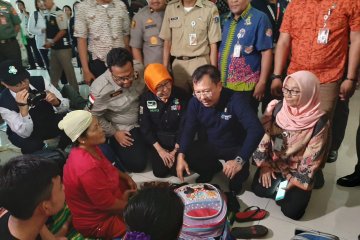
240,161
273,76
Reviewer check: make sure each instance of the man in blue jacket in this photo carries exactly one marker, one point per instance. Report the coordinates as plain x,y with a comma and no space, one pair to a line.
233,131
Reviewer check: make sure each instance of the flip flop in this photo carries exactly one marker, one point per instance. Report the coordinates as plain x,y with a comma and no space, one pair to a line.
252,213
256,231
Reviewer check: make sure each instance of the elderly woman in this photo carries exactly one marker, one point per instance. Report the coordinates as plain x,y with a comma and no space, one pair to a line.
96,192
294,145
161,112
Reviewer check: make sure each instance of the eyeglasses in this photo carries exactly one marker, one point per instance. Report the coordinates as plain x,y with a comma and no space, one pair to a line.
161,87
290,92
205,94
123,79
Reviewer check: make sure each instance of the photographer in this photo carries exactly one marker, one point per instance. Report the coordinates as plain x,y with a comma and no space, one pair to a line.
31,108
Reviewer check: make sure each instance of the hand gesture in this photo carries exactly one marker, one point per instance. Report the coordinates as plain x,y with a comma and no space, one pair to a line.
259,91
266,173
22,96
167,157
124,138
52,99
231,168
276,86
181,166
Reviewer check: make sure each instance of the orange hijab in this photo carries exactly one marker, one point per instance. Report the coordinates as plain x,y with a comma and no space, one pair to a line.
154,74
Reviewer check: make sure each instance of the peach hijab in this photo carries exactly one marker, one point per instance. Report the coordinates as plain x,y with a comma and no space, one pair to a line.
308,111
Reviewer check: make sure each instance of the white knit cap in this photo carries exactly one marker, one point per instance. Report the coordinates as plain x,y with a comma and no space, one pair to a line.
75,123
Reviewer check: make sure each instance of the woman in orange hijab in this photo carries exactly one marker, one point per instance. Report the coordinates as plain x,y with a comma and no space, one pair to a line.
161,111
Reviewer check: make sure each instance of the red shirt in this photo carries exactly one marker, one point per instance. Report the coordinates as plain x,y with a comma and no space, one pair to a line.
303,19
91,187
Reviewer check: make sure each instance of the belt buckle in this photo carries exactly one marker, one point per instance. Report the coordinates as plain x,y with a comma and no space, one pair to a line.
185,58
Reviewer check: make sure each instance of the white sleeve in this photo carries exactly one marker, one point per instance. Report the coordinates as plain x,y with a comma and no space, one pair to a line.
31,25
22,126
65,103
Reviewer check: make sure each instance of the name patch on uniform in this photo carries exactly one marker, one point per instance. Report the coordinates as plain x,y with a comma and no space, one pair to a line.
174,18
116,93
226,117
151,104
150,26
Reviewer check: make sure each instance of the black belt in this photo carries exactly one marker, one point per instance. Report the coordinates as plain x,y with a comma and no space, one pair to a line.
186,58
7,40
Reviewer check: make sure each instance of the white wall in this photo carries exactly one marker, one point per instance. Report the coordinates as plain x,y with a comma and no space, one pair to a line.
30,6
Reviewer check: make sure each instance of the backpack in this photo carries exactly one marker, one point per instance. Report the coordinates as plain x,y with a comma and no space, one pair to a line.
320,124
204,212
313,235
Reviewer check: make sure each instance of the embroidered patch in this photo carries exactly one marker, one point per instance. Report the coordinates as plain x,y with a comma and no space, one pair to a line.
248,21
249,49
269,32
149,20
133,24
116,93
216,19
174,18
150,26
153,40
151,104
13,70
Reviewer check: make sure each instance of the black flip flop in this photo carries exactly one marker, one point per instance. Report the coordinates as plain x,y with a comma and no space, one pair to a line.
256,231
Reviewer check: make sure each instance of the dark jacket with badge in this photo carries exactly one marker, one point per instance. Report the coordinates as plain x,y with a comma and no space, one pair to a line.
162,122
230,124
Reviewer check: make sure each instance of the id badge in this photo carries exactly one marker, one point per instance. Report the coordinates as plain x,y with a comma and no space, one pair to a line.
237,50
323,36
192,39
3,20
278,144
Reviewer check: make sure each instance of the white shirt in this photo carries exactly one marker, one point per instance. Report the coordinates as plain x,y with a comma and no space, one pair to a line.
36,29
23,126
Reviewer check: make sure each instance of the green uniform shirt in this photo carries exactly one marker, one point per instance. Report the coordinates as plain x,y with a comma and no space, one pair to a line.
8,20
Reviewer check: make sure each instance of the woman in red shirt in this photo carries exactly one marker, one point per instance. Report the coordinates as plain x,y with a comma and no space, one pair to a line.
95,190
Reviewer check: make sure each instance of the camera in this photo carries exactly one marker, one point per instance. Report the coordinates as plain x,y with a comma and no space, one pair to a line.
33,99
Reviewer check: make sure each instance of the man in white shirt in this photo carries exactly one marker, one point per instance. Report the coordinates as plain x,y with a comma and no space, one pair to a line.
31,108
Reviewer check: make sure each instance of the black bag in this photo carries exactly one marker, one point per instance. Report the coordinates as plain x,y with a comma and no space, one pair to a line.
57,155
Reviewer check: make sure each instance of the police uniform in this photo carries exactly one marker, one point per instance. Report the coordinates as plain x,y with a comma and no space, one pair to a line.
117,109
9,47
60,54
145,29
162,122
190,34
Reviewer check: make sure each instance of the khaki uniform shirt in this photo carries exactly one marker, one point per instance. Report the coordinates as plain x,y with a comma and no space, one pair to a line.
8,20
145,29
117,108
191,32
105,27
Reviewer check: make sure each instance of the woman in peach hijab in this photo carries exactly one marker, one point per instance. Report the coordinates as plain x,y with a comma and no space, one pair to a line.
294,144
161,111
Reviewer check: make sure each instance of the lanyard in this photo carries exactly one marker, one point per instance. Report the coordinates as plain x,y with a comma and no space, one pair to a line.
326,16
276,18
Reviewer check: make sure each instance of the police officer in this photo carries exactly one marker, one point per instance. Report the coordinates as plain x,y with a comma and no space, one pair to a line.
57,38
31,108
161,112
9,27
115,96
146,45
191,30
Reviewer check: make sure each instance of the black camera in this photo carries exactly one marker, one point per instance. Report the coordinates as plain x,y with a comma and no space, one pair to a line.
33,99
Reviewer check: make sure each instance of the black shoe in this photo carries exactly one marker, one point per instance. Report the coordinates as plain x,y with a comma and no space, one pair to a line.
233,204
332,157
351,180
319,180
204,179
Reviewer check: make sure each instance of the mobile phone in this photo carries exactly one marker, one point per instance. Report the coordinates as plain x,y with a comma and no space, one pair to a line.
281,190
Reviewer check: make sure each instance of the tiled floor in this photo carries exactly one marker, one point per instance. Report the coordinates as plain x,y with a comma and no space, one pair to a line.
332,209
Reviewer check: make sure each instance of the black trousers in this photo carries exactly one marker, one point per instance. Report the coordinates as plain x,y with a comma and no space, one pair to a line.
35,141
204,160
295,202
134,157
33,53
158,166
97,67
338,127
45,56
10,50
